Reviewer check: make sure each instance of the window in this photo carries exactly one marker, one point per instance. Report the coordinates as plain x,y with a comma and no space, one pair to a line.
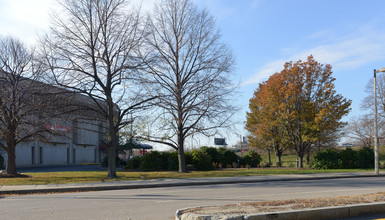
33,155
41,155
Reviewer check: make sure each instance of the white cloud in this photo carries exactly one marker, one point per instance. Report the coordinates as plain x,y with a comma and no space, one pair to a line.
25,19
344,51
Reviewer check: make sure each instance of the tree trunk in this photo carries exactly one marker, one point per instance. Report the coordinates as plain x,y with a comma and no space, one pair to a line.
268,154
112,146
308,158
11,158
112,161
181,160
279,162
181,156
300,161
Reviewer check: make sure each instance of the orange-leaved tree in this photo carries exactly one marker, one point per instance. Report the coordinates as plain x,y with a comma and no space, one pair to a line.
264,119
302,104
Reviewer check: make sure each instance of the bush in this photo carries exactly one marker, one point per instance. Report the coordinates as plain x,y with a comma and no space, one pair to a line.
212,152
227,157
366,157
188,158
133,163
170,161
201,160
164,160
105,161
348,159
326,159
151,161
251,158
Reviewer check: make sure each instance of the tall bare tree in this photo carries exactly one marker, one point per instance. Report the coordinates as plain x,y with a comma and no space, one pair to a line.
23,99
190,73
91,49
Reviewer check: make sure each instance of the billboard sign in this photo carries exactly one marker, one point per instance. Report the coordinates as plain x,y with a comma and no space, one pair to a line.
220,141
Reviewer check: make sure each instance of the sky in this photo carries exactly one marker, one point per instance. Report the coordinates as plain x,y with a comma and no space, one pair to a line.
263,35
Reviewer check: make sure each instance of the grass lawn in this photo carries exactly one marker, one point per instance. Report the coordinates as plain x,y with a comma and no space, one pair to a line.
101,176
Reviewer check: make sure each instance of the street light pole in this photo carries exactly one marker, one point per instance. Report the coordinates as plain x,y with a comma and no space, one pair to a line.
376,162
376,169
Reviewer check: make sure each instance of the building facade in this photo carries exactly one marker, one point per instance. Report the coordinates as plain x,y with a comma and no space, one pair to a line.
74,142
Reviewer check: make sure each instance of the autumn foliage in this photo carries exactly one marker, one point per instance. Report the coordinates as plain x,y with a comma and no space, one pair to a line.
296,108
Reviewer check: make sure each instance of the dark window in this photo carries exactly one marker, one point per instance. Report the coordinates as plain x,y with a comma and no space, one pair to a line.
41,155
33,155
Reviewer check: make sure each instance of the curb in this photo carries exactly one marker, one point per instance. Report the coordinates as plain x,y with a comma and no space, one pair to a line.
318,213
74,188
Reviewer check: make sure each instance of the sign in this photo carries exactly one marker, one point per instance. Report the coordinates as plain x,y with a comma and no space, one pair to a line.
58,128
220,141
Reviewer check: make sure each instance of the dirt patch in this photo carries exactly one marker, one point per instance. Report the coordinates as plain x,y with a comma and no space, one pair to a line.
6,175
286,205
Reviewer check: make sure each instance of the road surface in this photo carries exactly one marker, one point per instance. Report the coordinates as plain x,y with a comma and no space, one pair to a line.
161,203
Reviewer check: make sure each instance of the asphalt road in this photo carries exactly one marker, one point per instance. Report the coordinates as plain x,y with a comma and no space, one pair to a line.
161,203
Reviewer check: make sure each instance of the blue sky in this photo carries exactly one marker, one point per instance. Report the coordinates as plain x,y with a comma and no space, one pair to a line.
264,34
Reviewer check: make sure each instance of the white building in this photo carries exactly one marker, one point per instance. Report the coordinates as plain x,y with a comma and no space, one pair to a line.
76,138
78,144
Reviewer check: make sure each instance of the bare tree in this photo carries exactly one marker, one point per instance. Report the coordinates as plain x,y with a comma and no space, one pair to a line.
368,102
91,49
24,102
190,73
362,130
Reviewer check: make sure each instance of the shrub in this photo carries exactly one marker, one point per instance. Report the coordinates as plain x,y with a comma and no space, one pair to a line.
366,157
188,158
151,161
326,159
105,161
348,159
133,163
201,160
227,157
172,161
164,160
212,152
251,158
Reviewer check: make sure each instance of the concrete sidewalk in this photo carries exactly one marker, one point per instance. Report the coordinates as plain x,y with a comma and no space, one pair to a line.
137,184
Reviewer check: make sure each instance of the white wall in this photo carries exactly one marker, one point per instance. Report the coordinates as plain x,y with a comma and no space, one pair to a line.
84,154
23,154
54,154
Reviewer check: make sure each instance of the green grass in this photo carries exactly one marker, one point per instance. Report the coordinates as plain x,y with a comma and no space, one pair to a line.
101,176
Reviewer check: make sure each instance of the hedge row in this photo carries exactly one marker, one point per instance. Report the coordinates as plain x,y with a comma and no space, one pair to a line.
345,159
205,158
153,161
